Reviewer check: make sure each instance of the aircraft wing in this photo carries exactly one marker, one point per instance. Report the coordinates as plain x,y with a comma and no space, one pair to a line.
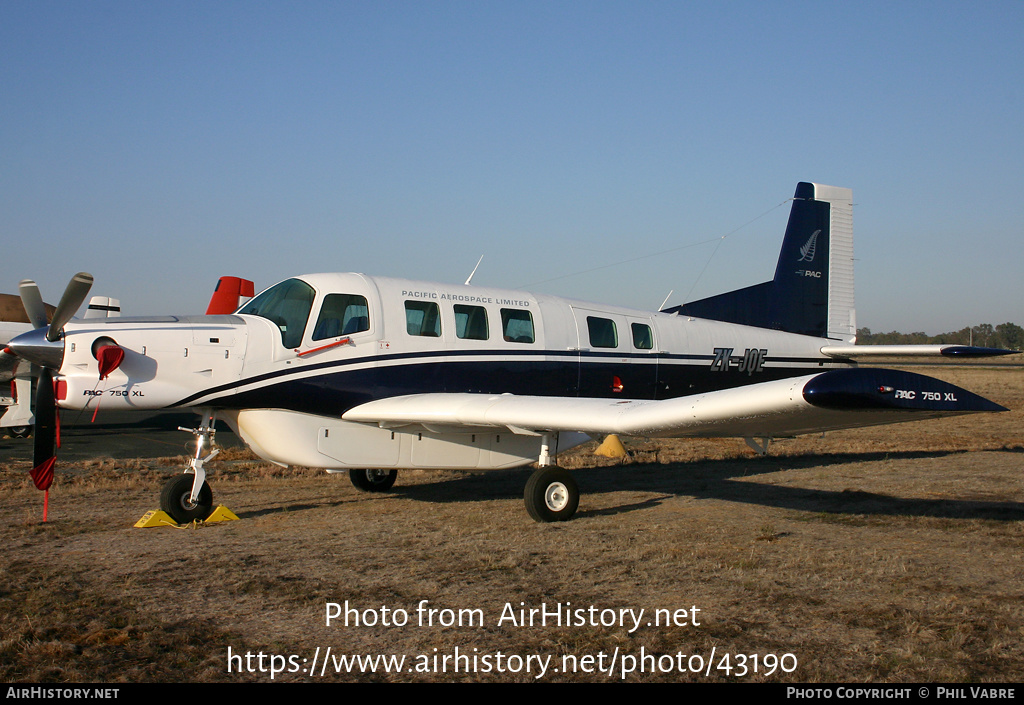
9,362
830,400
8,366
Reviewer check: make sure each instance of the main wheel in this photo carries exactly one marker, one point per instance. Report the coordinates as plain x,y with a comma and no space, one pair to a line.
373,480
20,431
176,499
551,494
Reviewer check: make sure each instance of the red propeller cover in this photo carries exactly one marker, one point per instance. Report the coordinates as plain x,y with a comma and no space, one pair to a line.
42,474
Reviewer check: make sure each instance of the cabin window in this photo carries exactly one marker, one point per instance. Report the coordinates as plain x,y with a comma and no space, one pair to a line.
471,322
341,314
422,318
602,332
517,325
288,305
643,338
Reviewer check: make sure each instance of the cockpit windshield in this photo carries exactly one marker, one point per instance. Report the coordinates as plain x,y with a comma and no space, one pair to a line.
286,304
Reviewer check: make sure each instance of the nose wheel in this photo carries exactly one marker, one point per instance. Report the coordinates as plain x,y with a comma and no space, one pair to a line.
176,499
188,497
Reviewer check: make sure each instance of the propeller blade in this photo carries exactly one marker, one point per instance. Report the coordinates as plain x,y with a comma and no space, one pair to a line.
46,419
74,297
32,300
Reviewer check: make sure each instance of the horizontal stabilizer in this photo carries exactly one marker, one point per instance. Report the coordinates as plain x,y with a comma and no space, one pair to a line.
827,401
855,351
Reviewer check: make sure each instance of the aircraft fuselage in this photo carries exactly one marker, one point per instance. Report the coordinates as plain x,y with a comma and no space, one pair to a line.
285,368
415,337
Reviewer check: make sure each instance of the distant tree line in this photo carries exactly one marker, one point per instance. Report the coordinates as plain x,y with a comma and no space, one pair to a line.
1005,335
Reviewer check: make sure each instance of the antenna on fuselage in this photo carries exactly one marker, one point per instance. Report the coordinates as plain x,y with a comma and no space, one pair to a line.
662,307
474,270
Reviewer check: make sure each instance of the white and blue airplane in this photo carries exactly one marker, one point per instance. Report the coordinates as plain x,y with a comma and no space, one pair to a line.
372,374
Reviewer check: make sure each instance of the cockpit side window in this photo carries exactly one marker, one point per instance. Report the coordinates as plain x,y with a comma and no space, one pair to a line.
341,314
286,304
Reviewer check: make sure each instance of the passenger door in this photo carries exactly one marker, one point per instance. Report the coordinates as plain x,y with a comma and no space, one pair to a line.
611,364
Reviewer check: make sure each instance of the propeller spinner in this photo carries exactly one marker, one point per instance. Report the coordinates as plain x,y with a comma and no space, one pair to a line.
43,346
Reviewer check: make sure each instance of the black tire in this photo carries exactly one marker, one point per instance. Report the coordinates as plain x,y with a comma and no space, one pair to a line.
551,494
373,480
175,499
20,431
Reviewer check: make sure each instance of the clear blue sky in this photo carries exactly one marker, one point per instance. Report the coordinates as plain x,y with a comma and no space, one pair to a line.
160,145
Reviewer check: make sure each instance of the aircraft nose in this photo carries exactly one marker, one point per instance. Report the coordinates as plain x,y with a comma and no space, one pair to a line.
34,347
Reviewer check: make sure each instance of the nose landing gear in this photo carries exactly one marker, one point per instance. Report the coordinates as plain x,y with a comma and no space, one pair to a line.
188,497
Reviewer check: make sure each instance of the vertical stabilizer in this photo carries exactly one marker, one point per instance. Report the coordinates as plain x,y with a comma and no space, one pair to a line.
103,307
229,294
812,292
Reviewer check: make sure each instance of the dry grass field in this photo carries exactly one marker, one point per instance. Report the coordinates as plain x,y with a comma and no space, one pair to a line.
884,554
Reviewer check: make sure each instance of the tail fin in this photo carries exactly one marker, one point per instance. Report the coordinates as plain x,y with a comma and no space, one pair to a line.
812,292
228,293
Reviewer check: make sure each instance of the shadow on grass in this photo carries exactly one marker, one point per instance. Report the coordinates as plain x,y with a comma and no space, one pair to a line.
723,480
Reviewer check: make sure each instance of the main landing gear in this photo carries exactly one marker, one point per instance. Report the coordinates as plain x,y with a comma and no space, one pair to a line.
551,493
373,480
188,497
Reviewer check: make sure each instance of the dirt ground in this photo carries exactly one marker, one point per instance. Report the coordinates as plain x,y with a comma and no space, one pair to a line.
882,554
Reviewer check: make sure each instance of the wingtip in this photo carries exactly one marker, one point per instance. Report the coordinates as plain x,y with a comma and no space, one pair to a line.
976,351
864,388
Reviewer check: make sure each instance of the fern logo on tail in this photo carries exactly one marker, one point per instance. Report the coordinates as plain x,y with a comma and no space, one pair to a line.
808,248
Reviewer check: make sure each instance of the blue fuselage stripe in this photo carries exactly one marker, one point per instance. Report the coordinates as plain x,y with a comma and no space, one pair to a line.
336,386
